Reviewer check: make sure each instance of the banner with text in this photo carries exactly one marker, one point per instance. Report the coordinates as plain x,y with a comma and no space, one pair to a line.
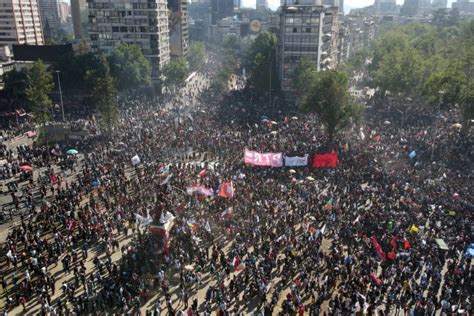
263,159
296,161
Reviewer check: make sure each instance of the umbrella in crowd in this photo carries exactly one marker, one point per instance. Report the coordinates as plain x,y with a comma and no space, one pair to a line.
26,168
72,152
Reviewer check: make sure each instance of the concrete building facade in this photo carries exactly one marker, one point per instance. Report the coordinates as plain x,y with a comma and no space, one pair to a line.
50,17
79,18
20,23
178,26
306,31
464,6
140,22
262,5
65,11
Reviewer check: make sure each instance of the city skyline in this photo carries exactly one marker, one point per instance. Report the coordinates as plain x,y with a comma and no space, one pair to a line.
351,4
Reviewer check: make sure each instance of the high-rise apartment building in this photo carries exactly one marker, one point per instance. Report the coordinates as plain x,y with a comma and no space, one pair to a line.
79,18
464,6
416,7
178,27
140,22
20,22
262,5
439,4
50,17
65,11
382,7
221,9
306,31
335,3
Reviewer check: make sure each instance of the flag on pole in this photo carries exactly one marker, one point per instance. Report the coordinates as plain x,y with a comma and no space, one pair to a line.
227,214
226,190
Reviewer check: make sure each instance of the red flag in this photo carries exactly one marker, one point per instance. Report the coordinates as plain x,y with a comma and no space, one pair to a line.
226,190
325,161
378,248
54,178
391,255
406,244
394,243
376,279
236,262
167,246
72,225
203,173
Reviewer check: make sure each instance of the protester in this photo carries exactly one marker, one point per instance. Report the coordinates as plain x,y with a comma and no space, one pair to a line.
189,228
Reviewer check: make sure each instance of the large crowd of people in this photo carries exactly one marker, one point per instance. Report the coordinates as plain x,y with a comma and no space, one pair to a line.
385,232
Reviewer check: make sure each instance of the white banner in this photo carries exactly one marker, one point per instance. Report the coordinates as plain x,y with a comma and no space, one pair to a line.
296,161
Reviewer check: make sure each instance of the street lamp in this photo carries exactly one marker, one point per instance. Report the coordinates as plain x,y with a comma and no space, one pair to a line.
441,94
60,93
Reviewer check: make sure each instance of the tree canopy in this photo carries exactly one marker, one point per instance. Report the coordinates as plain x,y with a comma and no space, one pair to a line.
304,75
197,55
175,73
261,62
435,62
329,98
129,67
105,96
40,84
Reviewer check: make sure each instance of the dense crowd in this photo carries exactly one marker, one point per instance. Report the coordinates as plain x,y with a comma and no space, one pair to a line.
361,238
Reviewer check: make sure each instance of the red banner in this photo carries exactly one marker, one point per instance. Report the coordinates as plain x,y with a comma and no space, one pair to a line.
325,161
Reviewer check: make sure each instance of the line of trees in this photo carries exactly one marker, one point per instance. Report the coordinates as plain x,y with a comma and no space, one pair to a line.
98,79
435,63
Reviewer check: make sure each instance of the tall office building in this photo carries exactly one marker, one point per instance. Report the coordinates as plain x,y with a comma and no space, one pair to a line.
439,4
416,7
178,27
20,22
221,9
335,3
79,18
50,17
464,6
262,5
306,31
382,7
65,11
140,22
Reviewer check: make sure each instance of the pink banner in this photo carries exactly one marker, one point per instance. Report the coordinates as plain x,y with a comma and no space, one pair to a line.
263,159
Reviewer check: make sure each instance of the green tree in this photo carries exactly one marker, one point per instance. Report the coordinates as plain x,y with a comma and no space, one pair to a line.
231,43
330,100
15,83
175,73
220,82
129,67
77,72
40,84
261,63
197,55
400,71
105,96
466,104
304,75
